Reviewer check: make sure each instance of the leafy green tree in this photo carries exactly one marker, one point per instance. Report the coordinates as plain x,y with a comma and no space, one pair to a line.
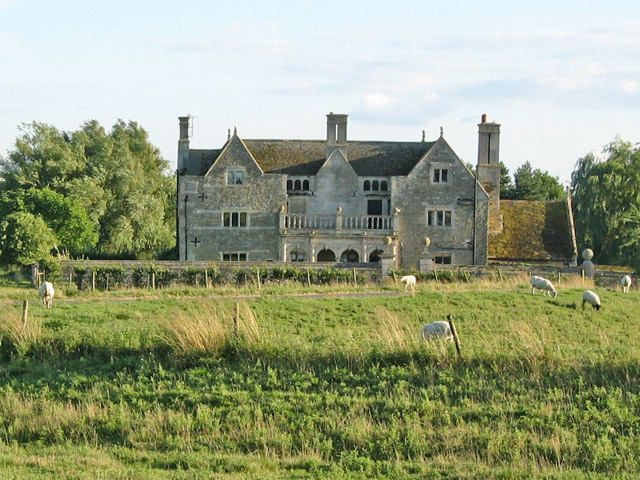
535,184
117,177
24,239
71,227
606,198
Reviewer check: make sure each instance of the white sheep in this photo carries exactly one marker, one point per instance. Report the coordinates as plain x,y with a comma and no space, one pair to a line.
46,293
542,284
625,283
409,282
437,331
592,298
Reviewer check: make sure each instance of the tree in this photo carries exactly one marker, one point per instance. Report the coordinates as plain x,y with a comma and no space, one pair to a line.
117,177
507,188
67,223
535,184
24,239
606,198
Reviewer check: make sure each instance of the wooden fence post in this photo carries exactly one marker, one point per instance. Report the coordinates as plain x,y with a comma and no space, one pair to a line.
153,280
456,339
25,312
236,319
355,277
206,278
93,280
308,277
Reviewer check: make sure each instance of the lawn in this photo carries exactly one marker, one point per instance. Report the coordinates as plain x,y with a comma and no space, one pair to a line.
194,385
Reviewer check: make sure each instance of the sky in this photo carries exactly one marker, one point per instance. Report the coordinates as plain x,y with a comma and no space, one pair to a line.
561,77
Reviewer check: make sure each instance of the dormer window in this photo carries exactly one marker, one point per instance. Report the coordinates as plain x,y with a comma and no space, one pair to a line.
235,177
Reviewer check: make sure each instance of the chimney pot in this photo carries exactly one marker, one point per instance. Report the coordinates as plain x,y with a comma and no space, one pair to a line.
484,118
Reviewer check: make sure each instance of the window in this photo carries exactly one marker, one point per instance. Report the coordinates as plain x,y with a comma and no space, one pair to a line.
289,185
297,256
375,186
443,259
367,185
234,219
234,257
305,185
383,186
297,185
439,218
440,175
235,177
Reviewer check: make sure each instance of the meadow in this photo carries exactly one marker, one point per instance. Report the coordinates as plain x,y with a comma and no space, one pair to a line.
238,384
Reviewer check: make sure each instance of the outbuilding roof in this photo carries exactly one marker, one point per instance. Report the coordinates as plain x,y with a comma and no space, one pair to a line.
533,231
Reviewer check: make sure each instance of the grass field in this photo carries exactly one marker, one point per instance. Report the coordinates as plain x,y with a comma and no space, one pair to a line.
181,385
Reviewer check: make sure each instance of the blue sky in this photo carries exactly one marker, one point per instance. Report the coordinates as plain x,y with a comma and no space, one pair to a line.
562,77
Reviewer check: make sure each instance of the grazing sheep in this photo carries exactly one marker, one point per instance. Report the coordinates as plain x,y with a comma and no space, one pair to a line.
544,285
625,283
46,292
409,282
592,298
437,331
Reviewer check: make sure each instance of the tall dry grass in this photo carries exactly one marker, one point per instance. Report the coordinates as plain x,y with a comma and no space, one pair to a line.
22,335
209,328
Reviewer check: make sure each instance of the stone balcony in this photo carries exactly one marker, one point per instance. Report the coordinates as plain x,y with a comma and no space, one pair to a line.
378,224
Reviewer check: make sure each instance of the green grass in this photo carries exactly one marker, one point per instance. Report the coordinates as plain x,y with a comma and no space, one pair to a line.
324,388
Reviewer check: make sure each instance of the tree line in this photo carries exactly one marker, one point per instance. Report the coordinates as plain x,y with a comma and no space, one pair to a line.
86,193
109,194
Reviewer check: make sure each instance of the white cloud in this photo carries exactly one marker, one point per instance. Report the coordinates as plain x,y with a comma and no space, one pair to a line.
377,101
630,86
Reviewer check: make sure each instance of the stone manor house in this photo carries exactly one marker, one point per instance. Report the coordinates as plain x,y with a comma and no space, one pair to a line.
338,200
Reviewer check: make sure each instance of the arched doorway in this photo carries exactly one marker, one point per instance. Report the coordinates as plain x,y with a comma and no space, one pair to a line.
374,257
326,255
349,256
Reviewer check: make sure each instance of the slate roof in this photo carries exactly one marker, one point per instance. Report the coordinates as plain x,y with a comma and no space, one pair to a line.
532,230
305,157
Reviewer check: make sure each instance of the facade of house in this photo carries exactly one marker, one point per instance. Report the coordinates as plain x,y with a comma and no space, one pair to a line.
337,200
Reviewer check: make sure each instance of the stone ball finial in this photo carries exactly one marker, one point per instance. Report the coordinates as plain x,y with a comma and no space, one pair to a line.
339,210
387,240
587,254
283,208
427,241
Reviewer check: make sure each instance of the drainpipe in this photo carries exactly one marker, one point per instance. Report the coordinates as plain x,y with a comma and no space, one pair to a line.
186,239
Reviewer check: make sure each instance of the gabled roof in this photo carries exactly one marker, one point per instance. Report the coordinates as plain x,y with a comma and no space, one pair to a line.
305,157
534,231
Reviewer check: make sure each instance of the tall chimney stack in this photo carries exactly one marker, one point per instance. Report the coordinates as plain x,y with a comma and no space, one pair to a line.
183,145
336,131
488,168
